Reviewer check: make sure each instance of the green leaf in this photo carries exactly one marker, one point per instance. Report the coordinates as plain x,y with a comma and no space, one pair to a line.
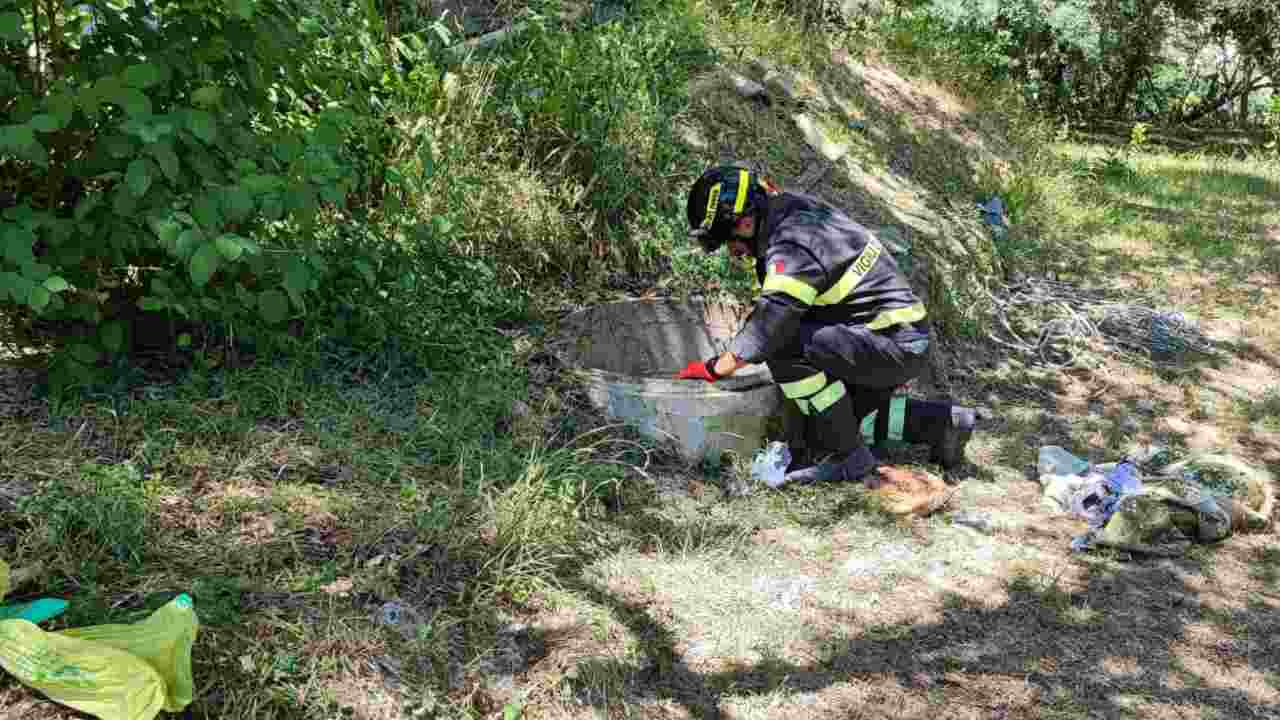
188,242
11,27
167,230
441,225
296,297
207,96
202,125
230,247
297,276
45,123
167,158
39,298
204,166
142,75
56,284
204,263
17,137
273,306
366,271
138,178
84,354
184,340
261,184
63,107
152,304
207,212
238,203
134,101
124,203
86,206
243,8
118,146
112,336
147,131
17,245
272,206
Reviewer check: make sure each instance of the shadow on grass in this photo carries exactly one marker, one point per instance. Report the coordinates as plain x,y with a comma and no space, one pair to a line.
1068,646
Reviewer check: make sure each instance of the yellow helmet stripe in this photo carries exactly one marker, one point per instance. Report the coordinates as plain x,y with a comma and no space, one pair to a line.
741,202
713,200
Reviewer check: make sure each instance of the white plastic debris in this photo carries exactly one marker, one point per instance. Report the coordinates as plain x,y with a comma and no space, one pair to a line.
770,464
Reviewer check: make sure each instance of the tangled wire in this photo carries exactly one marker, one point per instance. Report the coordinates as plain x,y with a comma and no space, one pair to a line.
1070,317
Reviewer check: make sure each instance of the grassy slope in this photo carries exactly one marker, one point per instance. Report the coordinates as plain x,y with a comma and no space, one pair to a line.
294,500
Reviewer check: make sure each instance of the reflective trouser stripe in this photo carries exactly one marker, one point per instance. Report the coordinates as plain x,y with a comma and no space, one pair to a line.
897,417
828,397
804,387
814,393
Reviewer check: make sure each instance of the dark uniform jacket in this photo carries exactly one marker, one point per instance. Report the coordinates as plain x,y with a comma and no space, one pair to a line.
818,265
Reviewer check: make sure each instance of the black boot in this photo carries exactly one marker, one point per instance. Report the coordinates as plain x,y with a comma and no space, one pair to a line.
944,426
853,466
834,447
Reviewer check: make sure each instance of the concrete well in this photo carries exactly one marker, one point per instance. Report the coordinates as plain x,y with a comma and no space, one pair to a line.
629,352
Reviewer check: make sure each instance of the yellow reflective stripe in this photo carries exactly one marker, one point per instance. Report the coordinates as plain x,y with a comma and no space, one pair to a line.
828,397
897,316
858,270
713,201
803,404
741,202
804,387
797,289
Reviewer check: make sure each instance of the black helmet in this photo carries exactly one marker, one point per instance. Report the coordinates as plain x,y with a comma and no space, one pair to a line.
718,198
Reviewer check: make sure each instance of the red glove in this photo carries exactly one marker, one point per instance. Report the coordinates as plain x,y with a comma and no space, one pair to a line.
699,371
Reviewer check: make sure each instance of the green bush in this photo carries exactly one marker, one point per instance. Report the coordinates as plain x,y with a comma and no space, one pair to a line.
171,169
592,108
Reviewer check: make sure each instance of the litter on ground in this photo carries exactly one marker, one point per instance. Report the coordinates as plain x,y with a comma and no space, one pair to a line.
1146,504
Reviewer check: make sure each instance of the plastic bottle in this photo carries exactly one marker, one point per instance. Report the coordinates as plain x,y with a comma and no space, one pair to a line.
770,464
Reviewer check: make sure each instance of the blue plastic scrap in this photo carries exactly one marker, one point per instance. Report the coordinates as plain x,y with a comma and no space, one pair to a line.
1098,502
993,213
1123,479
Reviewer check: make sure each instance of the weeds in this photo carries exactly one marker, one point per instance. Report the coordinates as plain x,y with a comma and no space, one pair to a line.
1265,409
101,513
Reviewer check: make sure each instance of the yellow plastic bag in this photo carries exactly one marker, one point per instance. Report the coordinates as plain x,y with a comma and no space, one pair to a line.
163,641
91,677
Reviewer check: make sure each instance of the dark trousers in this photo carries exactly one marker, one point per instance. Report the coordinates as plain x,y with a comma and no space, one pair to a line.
870,364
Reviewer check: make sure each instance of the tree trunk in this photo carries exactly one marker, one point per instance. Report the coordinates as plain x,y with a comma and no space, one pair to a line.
1132,74
1243,113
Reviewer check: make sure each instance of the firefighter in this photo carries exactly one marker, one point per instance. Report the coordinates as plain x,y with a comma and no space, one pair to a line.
837,324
